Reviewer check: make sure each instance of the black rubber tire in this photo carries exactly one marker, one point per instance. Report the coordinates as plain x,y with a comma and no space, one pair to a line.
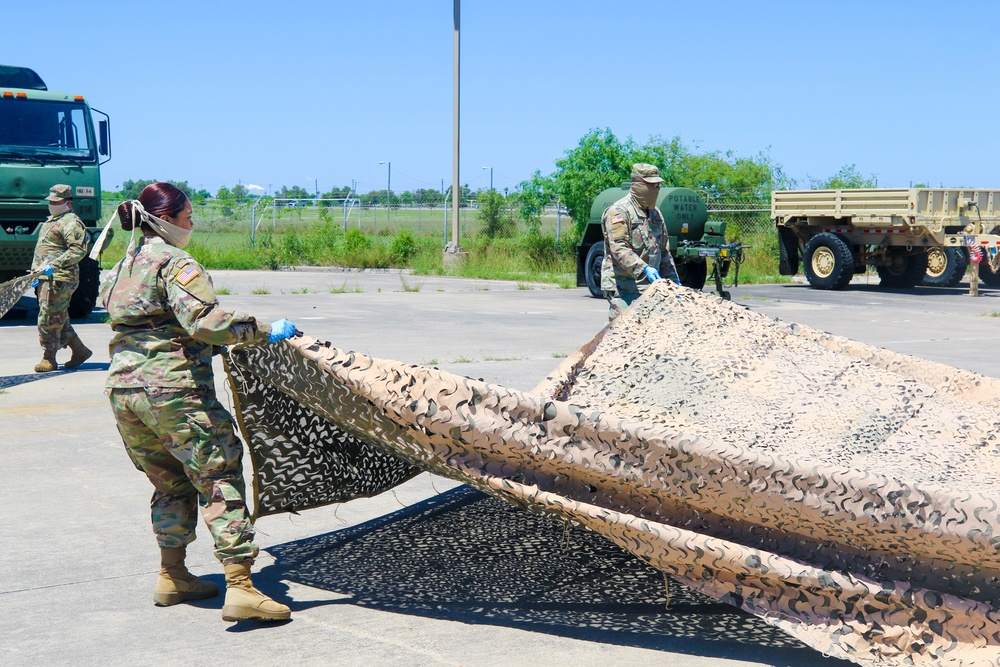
692,273
945,266
592,269
906,271
828,261
82,303
986,274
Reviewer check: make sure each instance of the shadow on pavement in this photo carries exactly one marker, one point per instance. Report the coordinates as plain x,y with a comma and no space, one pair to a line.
962,289
464,556
9,381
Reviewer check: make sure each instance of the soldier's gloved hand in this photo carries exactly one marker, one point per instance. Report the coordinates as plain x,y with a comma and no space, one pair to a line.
651,273
47,270
281,330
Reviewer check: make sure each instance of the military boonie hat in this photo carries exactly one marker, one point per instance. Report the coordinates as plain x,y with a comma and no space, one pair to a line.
60,191
646,172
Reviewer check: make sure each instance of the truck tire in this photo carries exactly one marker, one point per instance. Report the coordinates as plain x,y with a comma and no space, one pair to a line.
592,269
82,302
986,274
945,266
692,274
903,271
828,261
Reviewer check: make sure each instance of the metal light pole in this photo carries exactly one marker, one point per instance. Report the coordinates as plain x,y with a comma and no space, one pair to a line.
388,189
491,177
456,187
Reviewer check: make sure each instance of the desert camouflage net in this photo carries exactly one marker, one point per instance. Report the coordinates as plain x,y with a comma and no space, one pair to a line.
842,492
12,291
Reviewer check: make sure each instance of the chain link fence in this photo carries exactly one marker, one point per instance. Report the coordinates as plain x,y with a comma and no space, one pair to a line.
744,215
379,220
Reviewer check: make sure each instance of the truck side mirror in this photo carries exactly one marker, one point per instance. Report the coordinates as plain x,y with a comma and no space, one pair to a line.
104,139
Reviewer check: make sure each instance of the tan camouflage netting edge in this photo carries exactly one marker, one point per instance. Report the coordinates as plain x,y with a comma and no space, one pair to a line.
841,492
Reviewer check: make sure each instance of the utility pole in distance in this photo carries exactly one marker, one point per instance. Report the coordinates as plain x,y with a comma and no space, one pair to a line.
388,190
453,254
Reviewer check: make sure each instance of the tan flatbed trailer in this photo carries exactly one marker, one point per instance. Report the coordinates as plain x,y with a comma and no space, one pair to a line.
911,236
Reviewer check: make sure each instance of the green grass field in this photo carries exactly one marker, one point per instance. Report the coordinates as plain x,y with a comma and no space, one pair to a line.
311,236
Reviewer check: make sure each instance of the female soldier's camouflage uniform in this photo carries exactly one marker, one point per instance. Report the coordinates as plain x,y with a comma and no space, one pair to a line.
166,320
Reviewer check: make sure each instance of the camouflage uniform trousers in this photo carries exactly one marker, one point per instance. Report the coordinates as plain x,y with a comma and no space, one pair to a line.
622,297
185,442
54,329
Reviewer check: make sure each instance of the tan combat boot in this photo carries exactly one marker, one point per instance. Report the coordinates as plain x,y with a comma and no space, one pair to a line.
176,584
243,601
48,362
80,353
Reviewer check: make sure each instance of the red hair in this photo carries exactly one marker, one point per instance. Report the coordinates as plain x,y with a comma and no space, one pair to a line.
159,199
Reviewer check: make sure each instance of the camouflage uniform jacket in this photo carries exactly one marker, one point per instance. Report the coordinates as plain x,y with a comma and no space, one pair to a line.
62,243
633,240
166,320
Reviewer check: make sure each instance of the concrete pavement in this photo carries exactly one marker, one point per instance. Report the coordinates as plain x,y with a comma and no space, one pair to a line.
429,574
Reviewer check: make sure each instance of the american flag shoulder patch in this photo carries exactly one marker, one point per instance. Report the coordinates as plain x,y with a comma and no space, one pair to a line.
618,217
187,275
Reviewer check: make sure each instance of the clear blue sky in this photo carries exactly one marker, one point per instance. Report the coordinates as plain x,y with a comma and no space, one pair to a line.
283,93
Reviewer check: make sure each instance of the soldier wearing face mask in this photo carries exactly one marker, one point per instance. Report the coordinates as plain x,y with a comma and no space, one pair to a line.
635,244
62,243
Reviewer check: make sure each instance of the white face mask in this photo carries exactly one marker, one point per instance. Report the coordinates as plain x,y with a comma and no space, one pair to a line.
58,209
168,231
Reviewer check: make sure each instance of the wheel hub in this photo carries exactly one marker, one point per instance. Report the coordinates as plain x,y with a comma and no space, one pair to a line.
823,262
936,262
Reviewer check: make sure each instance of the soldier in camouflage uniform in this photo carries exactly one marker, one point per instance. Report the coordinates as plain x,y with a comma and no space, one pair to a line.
62,243
635,243
167,323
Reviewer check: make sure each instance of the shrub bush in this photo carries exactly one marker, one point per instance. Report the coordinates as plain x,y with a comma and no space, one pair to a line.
403,247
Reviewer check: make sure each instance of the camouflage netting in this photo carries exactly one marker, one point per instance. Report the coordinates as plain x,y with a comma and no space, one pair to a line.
841,492
12,291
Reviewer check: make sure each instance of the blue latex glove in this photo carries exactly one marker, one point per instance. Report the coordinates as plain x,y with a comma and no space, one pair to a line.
281,330
46,271
651,273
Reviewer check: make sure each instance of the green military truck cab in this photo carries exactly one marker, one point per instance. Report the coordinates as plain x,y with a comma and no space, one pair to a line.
693,239
46,138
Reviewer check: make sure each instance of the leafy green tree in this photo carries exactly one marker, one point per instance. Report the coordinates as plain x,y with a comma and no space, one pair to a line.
294,192
598,162
224,194
337,193
847,177
531,197
601,161
428,196
464,194
131,189
494,215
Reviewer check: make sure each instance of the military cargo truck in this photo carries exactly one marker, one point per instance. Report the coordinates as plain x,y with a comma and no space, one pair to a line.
909,235
46,138
693,240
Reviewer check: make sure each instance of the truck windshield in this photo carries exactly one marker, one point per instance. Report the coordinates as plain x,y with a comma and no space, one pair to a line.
44,131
